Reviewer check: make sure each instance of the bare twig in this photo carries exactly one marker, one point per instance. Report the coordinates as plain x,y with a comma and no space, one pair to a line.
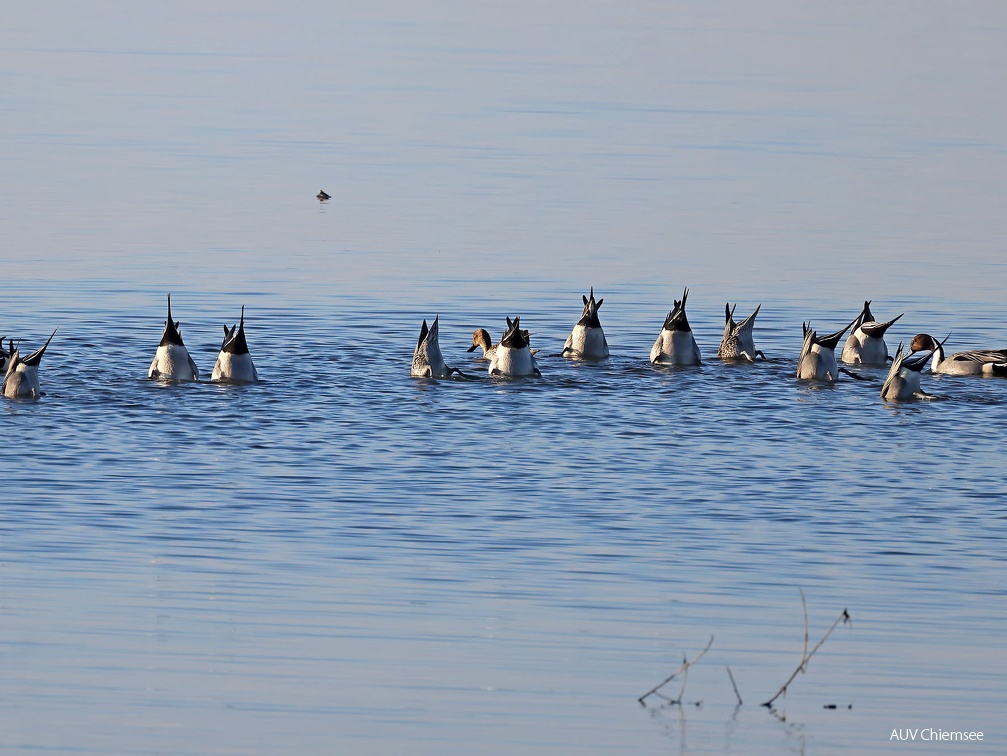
804,652
734,685
682,670
844,617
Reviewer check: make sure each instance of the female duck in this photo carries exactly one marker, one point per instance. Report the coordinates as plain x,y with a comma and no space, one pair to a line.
234,363
21,378
818,355
587,339
738,343
903,381
976,362
676,344
427,359
513,356
481,338
172,361
866,344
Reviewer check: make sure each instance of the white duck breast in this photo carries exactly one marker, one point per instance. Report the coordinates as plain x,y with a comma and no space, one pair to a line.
985,362
903,381
738,341
676,345
866,344
587,340
172,361
234,363
513,356
21,377
427,359
817,361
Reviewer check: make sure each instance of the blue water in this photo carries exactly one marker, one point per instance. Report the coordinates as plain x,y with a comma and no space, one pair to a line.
345,559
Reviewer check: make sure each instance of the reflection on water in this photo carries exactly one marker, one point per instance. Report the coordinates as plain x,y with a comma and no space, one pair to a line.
344,558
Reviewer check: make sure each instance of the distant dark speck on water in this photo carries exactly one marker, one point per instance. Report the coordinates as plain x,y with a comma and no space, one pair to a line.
322,196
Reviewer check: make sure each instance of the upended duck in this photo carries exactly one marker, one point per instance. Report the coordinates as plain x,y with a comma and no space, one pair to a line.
866,344
513,356
903,381
172,361
676,345
587,339
21,377
738,342
817,361
427,359
234,363
988,362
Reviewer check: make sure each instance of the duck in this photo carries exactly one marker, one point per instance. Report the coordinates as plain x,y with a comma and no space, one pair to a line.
513,356
903,381
172,361
481,338
322,195
234,363
5,355
738,344
866,344
817,361
676,344
21,377
587,339
427,359
986,362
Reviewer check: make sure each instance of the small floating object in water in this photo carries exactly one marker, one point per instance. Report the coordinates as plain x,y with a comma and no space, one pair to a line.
322,196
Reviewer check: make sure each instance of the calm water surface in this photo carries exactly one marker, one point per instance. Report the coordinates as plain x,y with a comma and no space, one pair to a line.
344,559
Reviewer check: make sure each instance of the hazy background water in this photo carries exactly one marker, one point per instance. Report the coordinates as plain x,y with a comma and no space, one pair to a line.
342,559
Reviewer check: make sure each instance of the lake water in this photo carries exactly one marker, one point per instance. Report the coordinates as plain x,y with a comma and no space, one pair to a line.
342,559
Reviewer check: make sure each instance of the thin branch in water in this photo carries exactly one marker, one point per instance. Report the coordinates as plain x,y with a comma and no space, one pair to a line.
682,670
844,617
734,685
804,651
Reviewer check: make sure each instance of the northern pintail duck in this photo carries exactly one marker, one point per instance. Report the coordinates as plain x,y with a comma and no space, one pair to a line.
234,363
21,377
5,356
587,339
513,356
818,355
738,342
903,381
866,344
976,362
427,359
172,361
676,344
322,196
481,338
